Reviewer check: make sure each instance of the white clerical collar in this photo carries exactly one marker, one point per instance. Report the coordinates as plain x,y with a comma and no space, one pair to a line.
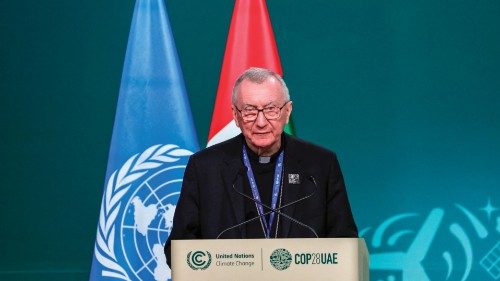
264,159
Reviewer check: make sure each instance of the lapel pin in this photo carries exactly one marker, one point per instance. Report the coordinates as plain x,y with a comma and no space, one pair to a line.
293,179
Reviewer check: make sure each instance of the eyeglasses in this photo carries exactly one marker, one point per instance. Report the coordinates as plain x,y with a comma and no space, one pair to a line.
250,113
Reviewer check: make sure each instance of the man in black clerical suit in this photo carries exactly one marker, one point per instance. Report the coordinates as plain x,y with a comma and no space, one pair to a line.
229,188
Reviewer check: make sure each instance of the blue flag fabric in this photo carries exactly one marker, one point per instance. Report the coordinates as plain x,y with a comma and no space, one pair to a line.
153,137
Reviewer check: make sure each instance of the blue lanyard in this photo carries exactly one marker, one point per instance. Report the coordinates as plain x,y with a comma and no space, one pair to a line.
255,191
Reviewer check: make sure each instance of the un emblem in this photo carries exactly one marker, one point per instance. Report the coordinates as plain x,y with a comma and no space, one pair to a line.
137,214
280,259
199,260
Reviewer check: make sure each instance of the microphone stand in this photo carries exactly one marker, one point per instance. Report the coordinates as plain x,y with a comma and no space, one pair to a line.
275,210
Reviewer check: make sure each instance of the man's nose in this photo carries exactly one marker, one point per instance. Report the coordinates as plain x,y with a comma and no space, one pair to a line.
261,120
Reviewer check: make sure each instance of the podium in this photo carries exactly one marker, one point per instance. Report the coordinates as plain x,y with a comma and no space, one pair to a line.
316,259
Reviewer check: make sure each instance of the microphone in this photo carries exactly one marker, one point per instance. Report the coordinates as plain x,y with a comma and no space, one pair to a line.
275,210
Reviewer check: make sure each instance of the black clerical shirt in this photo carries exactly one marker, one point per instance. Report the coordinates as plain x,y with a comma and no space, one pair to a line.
264,177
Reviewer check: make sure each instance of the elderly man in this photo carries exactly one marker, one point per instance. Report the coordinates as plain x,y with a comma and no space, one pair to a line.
262,183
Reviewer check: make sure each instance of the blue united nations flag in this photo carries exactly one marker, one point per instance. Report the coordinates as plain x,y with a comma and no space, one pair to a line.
153,136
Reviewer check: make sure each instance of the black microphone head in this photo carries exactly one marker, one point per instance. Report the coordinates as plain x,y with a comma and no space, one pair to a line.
311,178
240,172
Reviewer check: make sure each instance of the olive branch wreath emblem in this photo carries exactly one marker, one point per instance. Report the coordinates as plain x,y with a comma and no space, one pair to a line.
117,186
202,266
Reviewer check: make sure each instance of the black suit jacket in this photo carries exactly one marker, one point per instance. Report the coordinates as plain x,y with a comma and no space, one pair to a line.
208,204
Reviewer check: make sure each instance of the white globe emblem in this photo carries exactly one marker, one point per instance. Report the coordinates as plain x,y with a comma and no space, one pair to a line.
137,213
147,222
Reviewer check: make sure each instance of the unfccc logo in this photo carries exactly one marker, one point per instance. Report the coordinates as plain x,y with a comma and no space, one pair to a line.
199,260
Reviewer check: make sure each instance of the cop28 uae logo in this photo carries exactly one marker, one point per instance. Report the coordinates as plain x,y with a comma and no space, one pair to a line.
137,213
280,259
199,260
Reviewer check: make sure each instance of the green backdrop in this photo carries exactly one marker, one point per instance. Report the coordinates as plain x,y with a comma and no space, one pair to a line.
406,92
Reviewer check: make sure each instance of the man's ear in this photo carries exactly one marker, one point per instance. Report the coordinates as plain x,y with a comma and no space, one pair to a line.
288,111
235,115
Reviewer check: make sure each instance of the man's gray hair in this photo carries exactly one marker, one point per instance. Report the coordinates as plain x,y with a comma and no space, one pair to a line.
259,76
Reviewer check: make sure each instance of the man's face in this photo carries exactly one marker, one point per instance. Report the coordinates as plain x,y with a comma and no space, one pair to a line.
262,135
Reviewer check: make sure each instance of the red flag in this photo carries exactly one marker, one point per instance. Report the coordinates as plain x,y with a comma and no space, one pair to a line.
250,43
